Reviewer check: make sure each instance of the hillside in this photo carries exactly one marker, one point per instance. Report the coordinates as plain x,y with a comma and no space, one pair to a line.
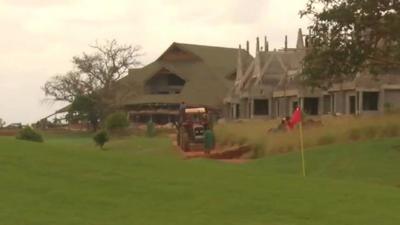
143,181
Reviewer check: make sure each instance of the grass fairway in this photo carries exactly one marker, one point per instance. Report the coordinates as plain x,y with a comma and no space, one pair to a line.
142,181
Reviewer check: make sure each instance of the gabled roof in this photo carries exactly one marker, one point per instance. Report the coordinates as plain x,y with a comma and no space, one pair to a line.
206,75
219,59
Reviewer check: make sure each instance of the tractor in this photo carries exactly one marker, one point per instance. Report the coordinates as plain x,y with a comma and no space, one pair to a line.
192,124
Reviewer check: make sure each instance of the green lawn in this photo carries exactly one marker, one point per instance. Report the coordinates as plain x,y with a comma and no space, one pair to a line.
66,180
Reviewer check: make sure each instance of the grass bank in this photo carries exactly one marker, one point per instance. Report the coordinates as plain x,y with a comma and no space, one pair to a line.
342,129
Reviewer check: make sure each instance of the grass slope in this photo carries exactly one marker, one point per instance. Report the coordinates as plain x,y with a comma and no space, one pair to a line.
140,181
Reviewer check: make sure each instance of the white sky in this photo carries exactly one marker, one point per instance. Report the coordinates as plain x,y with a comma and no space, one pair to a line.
39,37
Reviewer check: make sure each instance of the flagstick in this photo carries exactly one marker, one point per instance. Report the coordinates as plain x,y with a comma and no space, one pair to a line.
303,163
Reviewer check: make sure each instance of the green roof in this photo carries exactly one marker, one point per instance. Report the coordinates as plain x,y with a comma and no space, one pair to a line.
206,79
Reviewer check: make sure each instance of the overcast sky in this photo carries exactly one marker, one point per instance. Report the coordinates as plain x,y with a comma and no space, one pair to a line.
39,37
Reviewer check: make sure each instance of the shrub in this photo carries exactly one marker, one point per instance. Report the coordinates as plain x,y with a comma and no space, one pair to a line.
29,134
326,139
101,138
391,130
242,140
371,132
150,129
258,148
355,134
117,121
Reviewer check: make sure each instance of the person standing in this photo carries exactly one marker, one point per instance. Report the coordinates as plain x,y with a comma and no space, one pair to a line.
182,108
209,140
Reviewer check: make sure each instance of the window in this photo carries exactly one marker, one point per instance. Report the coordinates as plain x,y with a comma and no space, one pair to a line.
311,106
370,101
165,83
295,105
174,80
261,107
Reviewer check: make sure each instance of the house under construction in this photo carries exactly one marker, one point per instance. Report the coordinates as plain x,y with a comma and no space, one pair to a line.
269,87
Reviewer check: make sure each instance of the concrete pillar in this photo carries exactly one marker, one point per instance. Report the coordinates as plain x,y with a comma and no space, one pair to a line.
301,103
276,107
382,101
321,105
266,45
270,107
360,102
300,41
286,43
344,103
250,104
257,45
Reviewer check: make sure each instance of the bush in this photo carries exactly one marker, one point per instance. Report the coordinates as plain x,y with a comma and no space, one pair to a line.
29,134
101,138
242,140
391,130
355,134
258,148
326,139
371,132
150,129
117,122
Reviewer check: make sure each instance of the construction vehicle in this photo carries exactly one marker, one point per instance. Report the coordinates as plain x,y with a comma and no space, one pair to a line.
192,124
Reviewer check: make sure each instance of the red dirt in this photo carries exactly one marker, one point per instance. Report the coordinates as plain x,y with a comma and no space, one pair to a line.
231,155
8,132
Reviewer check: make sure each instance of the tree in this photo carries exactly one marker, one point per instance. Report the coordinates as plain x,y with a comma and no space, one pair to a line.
90,86
117,122
84,107
2,123
351,36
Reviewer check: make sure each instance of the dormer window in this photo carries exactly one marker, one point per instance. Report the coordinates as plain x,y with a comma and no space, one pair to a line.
165,82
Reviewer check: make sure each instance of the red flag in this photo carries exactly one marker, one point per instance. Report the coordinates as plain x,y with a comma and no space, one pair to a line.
296,118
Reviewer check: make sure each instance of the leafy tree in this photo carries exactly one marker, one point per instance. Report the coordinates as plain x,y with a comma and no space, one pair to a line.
2,123
117,121
91,85
351,36
85,108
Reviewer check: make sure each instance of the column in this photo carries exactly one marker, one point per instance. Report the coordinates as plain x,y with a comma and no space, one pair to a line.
360,102
382,101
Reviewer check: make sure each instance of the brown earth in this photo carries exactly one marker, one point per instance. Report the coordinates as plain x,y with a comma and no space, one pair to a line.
234,154
8,132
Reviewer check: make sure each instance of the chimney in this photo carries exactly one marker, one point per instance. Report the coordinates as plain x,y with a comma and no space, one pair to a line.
266,45
286,43
248,46
300,42
257,45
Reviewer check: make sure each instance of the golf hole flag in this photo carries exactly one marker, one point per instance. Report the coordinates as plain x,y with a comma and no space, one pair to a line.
296,118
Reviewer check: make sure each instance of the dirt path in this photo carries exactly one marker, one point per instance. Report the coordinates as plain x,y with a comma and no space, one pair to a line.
228,155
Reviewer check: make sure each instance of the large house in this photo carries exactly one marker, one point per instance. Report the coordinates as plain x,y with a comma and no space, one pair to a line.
195,74
269,87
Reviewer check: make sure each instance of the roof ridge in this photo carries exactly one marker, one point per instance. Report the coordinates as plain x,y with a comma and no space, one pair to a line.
206,46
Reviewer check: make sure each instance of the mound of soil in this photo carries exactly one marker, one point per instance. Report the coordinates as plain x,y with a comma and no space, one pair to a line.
235,153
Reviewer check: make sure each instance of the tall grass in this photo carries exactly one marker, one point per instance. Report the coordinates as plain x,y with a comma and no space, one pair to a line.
334,130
